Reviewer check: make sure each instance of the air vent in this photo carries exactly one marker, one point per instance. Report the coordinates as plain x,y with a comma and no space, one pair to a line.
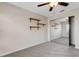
62,11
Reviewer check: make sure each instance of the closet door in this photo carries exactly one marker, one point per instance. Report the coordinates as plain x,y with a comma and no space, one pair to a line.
71,28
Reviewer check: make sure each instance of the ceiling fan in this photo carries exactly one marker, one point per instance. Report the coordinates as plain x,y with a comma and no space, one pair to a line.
54,4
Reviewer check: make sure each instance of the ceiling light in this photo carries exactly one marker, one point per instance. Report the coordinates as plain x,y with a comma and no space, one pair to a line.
53,4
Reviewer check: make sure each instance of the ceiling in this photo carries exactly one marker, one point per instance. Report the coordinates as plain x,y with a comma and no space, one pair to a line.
44,10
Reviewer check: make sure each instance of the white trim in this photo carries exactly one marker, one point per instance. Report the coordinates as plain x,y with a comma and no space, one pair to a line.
49,30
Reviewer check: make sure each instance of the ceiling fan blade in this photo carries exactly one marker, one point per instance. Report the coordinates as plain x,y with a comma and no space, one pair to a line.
43,4
51,8
63,3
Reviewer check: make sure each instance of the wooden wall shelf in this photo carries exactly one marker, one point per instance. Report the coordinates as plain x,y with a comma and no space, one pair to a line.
37,24
34,27
41,24
34,19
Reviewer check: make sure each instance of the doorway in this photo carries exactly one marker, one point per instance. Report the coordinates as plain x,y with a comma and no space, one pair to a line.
71,24
61,31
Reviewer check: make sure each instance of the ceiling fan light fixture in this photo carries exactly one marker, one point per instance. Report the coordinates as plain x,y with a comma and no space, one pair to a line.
53,4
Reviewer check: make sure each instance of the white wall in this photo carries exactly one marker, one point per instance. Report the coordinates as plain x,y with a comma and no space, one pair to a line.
64,29
55,33
61,30
15,33
74,12
72,33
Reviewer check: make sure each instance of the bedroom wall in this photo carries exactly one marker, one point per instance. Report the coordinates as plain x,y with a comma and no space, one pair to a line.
15,33
61,31
64,29
55,32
